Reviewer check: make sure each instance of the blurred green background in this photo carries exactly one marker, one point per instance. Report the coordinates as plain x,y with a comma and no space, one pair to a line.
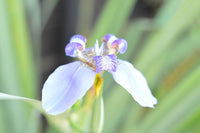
163,43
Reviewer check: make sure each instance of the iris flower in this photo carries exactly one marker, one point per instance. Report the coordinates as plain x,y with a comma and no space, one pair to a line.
70,82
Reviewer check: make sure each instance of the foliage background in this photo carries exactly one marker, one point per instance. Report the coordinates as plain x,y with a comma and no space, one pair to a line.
163,43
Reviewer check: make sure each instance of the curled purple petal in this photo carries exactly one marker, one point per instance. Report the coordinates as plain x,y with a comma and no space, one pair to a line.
65,86
120,45
72,48
78,39
109,38
135,83
108,63
77,43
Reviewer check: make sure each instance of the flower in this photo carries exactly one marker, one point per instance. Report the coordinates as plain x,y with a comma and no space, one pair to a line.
70,82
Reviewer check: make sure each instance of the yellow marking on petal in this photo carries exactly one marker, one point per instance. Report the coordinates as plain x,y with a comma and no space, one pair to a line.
98,84
108,45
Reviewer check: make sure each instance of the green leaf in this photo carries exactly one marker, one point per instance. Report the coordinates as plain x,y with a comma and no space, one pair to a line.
190,123
22,48
97,115
35,103
186,87
182,19
166,12
179,51
109,22
9,78
85,16
177,114
117,104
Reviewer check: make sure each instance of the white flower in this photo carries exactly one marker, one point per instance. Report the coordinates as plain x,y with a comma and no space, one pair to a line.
70,82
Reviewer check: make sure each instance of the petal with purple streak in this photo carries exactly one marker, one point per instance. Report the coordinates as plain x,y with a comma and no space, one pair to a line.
135,83
65,86
108,63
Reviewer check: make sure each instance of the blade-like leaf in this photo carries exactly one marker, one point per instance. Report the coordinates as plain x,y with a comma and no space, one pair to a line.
35,103
109,22
182,90
97,115
166,35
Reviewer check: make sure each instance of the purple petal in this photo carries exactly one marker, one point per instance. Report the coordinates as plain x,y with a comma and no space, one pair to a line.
72,48
119,44
65,86
109,38
78,39
108,63
135,83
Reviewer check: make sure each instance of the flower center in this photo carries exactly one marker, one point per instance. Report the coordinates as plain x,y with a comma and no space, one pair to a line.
108,63
97,58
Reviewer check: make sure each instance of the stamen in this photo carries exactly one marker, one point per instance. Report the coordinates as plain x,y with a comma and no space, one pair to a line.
86,57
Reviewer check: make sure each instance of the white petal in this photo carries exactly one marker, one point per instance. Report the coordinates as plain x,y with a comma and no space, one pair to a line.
96,48
65,86
135,83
